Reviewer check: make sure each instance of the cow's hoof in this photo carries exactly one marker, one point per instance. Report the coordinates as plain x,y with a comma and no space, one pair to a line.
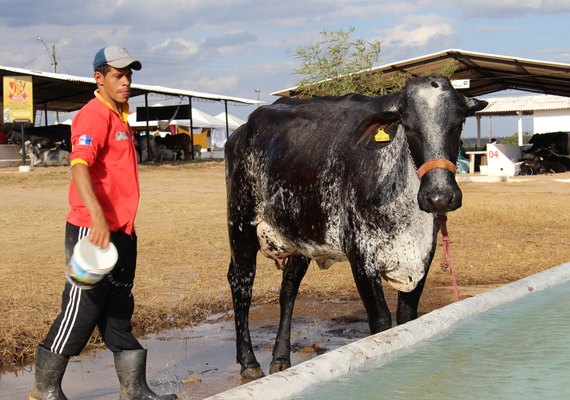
278,366
252,373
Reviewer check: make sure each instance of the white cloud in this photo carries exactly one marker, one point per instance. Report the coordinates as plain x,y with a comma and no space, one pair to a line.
421,31
233,46
370,9
497,28
176,46
218,84
495,9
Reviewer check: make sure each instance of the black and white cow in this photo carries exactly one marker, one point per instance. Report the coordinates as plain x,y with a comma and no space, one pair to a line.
336,178
47,157
143,144
44,136
163,153
180,144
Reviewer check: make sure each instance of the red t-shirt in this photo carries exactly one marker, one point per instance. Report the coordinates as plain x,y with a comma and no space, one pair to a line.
104,141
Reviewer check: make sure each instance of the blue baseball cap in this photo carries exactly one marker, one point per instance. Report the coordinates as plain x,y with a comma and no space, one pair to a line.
115,56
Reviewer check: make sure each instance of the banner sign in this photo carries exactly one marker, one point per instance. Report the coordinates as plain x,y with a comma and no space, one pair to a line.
18,99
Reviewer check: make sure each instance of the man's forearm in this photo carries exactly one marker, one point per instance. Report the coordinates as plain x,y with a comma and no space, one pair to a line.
99,233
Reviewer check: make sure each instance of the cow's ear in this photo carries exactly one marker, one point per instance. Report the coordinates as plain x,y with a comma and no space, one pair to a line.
376,133
473,105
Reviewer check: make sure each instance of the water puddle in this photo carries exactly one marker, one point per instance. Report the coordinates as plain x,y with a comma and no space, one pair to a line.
199,362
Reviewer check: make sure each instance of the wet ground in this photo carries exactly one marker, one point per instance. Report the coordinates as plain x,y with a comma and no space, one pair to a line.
199,362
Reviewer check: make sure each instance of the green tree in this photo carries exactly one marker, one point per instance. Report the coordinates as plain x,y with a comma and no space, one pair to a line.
339,64
514,138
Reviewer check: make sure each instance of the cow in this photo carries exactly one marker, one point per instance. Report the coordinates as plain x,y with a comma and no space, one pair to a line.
165,154
44,136
557,142
552,162
143,143
180,144
342,178
47,157
551,150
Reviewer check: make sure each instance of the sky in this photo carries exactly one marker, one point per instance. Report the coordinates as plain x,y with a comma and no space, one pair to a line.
246,48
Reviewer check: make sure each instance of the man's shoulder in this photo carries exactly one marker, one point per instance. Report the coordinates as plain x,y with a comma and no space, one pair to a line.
91,118
94,109
94,105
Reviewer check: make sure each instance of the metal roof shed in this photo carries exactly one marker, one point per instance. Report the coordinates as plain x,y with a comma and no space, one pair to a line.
488,73
67,93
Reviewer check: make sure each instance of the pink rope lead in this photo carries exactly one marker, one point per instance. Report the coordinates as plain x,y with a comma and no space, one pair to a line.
447,262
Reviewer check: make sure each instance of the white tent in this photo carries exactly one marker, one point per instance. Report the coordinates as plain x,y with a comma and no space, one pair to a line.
217,135
233,121
200,119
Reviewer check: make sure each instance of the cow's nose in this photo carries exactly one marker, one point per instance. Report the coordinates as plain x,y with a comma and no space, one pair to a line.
440,202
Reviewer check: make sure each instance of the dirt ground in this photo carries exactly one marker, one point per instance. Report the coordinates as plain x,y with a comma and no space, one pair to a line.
504,231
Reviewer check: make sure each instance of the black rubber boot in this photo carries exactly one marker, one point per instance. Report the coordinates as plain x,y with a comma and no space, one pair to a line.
131,370
49,370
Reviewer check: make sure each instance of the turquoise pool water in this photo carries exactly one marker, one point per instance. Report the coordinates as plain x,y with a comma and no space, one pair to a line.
519,350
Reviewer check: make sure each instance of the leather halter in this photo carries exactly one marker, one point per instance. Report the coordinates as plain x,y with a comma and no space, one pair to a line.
435,164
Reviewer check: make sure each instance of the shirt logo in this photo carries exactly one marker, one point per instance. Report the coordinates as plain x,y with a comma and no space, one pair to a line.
120,135
85,140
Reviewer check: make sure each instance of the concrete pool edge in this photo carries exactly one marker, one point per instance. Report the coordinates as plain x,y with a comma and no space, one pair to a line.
377,350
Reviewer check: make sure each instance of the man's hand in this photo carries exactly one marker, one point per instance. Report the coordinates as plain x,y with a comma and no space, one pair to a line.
99,233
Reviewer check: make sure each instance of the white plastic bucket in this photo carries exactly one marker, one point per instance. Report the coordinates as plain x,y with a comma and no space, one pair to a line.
90,263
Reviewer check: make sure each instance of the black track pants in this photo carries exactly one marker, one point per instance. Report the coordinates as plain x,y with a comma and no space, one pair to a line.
109,305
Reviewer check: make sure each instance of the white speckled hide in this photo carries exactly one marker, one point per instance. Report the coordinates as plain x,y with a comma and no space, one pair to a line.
398,251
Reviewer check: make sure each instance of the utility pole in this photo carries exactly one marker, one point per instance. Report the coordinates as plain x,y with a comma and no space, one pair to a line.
53,67
258,91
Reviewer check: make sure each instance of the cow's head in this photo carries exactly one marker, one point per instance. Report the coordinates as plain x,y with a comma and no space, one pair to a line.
432,114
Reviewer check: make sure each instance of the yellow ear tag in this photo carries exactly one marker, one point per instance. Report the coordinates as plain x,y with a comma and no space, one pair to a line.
381,136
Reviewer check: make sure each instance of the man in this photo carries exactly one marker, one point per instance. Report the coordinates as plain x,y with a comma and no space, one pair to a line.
103,197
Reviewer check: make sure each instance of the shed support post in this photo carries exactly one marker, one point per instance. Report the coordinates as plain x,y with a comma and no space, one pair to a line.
519,115
148,150
227,123
191,126
478,131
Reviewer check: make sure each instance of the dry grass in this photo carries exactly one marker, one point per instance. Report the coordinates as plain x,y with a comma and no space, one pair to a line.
503,232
